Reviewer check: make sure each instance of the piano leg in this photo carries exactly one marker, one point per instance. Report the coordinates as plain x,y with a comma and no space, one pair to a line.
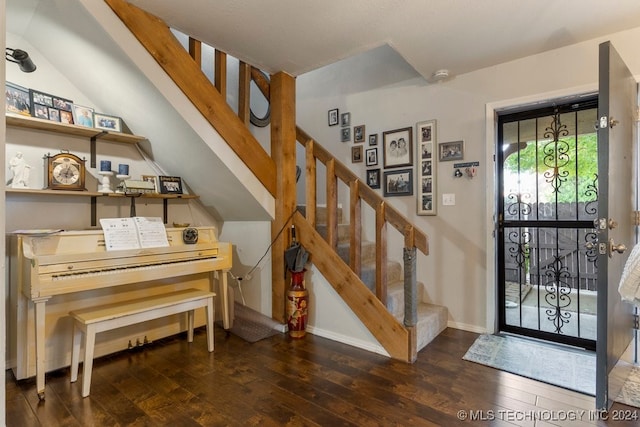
224,290
39,306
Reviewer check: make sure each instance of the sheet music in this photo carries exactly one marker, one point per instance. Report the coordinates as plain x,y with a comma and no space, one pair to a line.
133,233
151,232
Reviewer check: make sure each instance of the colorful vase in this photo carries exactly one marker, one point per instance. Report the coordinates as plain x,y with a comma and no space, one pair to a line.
297,305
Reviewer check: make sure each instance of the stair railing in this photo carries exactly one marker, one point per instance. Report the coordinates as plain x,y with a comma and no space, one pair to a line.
399,340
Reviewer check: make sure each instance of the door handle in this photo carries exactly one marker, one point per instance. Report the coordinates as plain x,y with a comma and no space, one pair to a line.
615,248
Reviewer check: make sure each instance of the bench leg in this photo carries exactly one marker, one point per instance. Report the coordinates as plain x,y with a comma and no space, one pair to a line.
75,352
190,325
89,343
210,312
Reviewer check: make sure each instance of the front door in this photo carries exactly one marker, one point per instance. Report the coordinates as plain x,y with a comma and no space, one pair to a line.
617,114
546,240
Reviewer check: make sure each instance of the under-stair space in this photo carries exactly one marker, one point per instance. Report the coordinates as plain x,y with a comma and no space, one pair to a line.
432,319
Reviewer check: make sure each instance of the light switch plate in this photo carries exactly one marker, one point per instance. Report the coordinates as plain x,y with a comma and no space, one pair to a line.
449,199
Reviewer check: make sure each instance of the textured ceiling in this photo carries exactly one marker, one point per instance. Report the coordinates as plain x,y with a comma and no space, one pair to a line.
297,36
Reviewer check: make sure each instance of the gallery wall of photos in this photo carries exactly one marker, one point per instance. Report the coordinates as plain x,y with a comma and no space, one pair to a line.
42,105
403,156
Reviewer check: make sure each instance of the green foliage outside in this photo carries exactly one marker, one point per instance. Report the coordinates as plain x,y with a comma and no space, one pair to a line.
522,165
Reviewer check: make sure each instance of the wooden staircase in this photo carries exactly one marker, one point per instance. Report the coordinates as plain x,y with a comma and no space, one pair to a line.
384,295
432,319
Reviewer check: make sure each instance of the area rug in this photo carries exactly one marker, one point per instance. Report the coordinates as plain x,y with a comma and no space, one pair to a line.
573,369
552,364
251,325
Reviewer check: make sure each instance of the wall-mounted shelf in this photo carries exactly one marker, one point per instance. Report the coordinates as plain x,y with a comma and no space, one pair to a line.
66,129
94,196
98,194
33,123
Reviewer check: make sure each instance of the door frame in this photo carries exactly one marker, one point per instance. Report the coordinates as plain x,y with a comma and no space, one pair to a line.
491,120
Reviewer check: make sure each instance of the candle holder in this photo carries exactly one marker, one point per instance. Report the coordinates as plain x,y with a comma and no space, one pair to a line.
105,185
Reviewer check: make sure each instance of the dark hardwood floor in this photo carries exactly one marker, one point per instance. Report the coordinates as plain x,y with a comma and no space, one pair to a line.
283,382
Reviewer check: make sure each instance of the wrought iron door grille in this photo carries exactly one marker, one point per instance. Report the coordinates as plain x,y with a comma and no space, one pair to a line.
548,179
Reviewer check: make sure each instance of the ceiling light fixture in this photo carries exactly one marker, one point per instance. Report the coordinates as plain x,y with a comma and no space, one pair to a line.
21,58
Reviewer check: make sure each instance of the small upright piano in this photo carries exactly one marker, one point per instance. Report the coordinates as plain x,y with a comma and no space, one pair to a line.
51,273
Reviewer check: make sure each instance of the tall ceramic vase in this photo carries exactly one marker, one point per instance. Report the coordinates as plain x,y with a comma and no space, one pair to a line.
297,304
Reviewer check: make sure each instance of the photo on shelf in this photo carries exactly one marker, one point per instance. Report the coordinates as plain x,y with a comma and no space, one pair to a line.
48,107
170,184
83,116
106,122
17,99
152,179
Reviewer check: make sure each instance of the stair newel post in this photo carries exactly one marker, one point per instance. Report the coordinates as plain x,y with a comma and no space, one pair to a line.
410,288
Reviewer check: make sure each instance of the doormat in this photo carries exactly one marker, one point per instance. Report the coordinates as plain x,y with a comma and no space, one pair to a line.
569,368
251,325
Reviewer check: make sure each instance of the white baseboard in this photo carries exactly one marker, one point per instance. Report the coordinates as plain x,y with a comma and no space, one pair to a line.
467,327
365,345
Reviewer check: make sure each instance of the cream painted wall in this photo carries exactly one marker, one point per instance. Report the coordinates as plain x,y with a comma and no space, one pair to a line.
3,322
459,271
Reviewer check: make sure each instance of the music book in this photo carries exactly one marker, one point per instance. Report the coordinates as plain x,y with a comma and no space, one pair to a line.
134,233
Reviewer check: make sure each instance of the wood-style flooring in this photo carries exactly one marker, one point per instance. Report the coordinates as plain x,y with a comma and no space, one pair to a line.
307,382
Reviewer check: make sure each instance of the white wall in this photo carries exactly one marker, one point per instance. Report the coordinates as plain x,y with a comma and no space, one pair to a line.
458,273
3,269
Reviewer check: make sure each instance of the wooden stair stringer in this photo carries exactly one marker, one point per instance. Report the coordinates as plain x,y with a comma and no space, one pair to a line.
391,334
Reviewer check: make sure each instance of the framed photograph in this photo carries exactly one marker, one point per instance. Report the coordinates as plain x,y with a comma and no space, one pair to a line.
373,178
398,183
397,148
426,167
152,179
373,139
106,122
345,134
358,133
356,154
62,104
17,99
372,156
449,151
66,117
345,119
82,116
170,184
333,117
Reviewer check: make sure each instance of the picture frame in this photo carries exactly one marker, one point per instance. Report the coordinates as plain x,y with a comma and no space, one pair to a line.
345,119
170,184
426,185
356,154
373,178
398,183
83,116
345,134
107,122
397,148
17,99
151,178
48,107
451,151
373,139
358,133
371,154
333,117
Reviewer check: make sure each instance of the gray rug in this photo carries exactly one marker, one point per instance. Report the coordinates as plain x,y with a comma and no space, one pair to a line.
251,325
573,369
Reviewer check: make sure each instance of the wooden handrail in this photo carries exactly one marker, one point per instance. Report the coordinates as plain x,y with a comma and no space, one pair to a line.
412,235
399,340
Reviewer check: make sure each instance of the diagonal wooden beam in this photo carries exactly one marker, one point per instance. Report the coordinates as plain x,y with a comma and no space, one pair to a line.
156,37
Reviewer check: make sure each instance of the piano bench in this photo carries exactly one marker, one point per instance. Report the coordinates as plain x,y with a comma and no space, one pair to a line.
92,320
